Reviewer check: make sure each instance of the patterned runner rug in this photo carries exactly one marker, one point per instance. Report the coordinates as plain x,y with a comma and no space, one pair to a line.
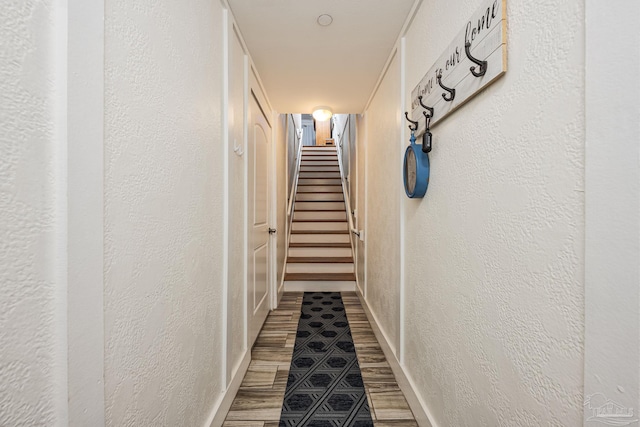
325,386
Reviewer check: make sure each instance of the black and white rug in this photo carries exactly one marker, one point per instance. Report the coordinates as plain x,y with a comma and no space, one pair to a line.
325,386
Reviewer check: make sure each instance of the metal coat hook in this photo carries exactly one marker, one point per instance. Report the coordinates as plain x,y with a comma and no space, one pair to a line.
452,92
430,109
482,64
415,124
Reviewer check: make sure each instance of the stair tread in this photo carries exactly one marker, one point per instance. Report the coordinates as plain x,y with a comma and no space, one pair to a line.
320,185
320,276
320,192
319,245
320,220
319,259
320,201
318,210
319,231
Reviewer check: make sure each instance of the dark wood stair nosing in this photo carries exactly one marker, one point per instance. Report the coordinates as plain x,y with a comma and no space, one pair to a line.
320,220
319,210
319,231
320,185
319,245
329,277
320,192
319,201
320,260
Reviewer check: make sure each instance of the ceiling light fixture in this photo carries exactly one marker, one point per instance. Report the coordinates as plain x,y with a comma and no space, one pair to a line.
325,20
322,114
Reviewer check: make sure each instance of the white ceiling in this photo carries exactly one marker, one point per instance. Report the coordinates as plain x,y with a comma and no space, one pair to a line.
303,64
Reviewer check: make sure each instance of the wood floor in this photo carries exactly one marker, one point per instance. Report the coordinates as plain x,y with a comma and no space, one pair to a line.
259,400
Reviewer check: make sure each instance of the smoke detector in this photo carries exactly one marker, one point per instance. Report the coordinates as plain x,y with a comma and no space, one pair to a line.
325,20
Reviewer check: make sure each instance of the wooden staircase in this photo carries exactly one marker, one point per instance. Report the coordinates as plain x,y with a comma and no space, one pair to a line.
319,255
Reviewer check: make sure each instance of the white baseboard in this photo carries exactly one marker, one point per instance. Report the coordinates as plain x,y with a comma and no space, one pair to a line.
320,286
415,401
220,409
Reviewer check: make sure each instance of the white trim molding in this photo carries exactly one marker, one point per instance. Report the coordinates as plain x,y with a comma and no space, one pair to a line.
612,210
222,406
416,402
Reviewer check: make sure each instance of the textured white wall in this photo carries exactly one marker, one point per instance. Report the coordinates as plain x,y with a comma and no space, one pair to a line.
495,251
32,306
383,212
163,212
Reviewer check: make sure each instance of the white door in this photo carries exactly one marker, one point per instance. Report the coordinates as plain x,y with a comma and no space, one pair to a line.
259,150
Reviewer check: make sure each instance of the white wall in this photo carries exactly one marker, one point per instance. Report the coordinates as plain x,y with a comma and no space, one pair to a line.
33,383
112,212
494,254
383,204
612,306
163,212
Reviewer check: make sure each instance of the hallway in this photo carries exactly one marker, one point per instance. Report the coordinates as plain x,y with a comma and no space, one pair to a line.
259,400
478,209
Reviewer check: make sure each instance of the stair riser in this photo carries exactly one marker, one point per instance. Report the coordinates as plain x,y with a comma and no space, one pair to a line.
319,238
319,286
318,158
320,215
310,168
330,226
320,206
319,189
318,149
316,175
319,252
329,197
319,163
320,267
318,181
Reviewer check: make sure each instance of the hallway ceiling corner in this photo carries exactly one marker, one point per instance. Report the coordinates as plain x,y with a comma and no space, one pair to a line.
303,64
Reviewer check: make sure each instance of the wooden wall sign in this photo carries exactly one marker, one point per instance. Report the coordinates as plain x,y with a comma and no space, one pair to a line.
476,58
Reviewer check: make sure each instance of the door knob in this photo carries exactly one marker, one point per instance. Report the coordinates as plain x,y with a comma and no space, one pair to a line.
272,231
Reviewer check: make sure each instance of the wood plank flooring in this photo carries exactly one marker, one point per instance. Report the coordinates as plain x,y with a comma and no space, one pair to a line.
259,400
